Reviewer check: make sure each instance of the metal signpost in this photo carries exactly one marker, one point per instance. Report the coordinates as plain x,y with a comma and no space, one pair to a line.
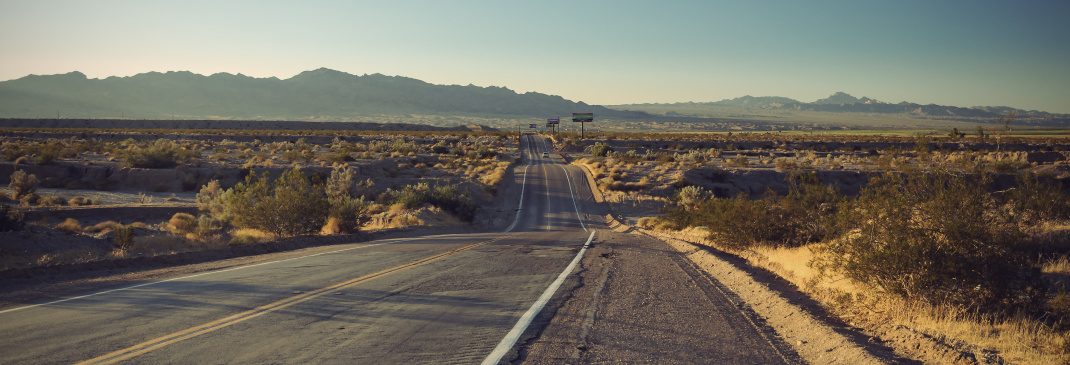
582,118
552,124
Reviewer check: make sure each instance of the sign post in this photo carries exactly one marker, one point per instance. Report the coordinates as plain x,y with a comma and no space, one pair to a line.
552,123
582,118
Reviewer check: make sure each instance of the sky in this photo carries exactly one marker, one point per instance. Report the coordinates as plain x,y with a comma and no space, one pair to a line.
960,53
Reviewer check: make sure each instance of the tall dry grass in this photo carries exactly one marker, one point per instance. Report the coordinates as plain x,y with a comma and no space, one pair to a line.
1018,338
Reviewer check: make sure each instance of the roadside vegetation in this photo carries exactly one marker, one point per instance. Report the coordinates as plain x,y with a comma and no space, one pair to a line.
246,188
967,243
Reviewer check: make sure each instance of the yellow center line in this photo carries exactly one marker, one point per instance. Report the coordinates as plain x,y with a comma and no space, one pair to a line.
144,347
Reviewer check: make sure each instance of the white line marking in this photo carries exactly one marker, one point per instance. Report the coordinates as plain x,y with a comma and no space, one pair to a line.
393,240
525,320
546,180
574,205
523,185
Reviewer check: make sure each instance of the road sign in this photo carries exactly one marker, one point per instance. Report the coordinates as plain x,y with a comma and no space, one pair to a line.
532,126
553,121
583,117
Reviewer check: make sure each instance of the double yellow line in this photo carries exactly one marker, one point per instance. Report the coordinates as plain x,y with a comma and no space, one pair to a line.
144,347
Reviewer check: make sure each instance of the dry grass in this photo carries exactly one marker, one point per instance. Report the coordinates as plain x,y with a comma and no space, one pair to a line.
255,234
65,257
1018,339
70,225
1057,265
102,227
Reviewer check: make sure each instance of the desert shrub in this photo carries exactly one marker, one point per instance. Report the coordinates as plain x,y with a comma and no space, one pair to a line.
486,152
292,205
449,198
734,223
341,183
346,214
400,146
182,223
692,196
160,155
29,199
22,183
211,199
1009,166
740,161
1038,198
938,238
102,227
79,201
51,201
11,220
12,151
242,239
811,212
48,155
440,148
122,236
337,157
601,149
70,225
785,164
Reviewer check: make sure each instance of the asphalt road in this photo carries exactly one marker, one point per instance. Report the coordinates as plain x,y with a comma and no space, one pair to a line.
445,299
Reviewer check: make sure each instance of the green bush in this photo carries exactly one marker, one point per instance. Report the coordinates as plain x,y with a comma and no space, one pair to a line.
346,212
810,213
292,205
122,236
939,238
601,149
448,197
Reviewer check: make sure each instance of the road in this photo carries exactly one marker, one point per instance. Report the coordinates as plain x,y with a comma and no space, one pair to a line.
441,299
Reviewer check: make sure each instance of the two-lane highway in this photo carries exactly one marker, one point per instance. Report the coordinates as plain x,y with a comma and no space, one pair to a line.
461,298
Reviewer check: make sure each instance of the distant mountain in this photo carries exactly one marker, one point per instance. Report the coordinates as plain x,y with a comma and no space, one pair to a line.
748,100
841,102
838,98
321,94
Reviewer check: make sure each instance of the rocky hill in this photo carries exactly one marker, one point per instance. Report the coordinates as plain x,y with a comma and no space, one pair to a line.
321,94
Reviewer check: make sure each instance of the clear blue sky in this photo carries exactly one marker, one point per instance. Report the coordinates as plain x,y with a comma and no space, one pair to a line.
962,53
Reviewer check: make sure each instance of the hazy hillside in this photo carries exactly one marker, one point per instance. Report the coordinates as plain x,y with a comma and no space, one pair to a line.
783,109
321,94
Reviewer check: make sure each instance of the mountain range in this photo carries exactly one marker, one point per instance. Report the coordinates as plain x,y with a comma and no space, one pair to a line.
841,102
321,94
329,95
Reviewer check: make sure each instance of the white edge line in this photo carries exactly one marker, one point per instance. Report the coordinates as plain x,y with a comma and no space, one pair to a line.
514,335
523,185
571,191
395,240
